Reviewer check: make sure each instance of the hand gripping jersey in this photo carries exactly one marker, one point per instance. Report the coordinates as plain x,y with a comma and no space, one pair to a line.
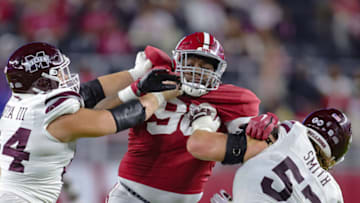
157,154
32,161
287,171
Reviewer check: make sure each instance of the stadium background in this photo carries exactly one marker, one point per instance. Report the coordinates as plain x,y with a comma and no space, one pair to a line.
296,55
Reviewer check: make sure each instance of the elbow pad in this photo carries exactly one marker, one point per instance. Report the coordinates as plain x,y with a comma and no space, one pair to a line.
91,92
128,115
236,145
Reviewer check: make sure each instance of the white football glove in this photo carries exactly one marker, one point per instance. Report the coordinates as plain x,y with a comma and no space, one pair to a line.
204,117
142,65
221,197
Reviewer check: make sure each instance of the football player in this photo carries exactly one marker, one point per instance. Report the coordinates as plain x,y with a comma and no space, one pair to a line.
45,115
157,166
291,165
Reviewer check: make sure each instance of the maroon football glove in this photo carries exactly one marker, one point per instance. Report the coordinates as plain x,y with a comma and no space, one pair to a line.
260,127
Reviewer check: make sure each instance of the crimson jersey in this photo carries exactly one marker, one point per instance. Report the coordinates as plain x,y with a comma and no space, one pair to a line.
157,154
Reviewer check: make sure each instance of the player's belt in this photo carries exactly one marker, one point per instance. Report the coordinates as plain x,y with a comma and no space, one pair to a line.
135,194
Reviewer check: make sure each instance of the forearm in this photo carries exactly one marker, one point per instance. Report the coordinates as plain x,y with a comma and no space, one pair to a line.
83,123
205,143
112,83
95,123
150,103
108,102
99,125
254,147
118,98
96,90
207,146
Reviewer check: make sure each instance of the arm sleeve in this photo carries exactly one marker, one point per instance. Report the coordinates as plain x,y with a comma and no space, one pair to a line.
91,92
128,115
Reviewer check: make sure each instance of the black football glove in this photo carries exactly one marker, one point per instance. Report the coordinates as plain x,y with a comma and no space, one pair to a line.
153,81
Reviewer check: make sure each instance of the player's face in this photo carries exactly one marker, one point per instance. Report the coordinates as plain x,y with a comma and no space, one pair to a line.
65,77
62,76
199,62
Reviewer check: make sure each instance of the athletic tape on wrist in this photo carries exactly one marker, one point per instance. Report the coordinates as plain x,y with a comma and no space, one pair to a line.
135,73
127,94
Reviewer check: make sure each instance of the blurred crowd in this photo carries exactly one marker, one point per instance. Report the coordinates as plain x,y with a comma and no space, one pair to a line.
295,55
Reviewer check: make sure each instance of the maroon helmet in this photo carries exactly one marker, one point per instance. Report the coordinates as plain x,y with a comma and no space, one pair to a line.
333,132
39,67
205,45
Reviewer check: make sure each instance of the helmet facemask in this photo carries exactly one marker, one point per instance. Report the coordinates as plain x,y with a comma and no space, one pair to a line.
62,76
197,81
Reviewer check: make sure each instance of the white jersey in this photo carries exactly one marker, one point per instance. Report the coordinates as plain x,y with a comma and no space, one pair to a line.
287,171
32,161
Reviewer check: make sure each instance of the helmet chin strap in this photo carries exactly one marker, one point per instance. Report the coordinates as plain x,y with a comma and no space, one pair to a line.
194,92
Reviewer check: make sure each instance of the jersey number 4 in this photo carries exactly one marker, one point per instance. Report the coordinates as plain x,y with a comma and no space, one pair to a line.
283,195
20,137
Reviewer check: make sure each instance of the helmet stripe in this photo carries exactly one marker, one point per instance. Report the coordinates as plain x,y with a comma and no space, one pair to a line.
206,41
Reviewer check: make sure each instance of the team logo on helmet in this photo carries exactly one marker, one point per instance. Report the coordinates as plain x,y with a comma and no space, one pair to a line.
34,63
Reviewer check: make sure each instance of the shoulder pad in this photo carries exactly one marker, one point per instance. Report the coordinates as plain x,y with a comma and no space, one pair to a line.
60,102
233,102
287,125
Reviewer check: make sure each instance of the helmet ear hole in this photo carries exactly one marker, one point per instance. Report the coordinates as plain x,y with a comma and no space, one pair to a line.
53,72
